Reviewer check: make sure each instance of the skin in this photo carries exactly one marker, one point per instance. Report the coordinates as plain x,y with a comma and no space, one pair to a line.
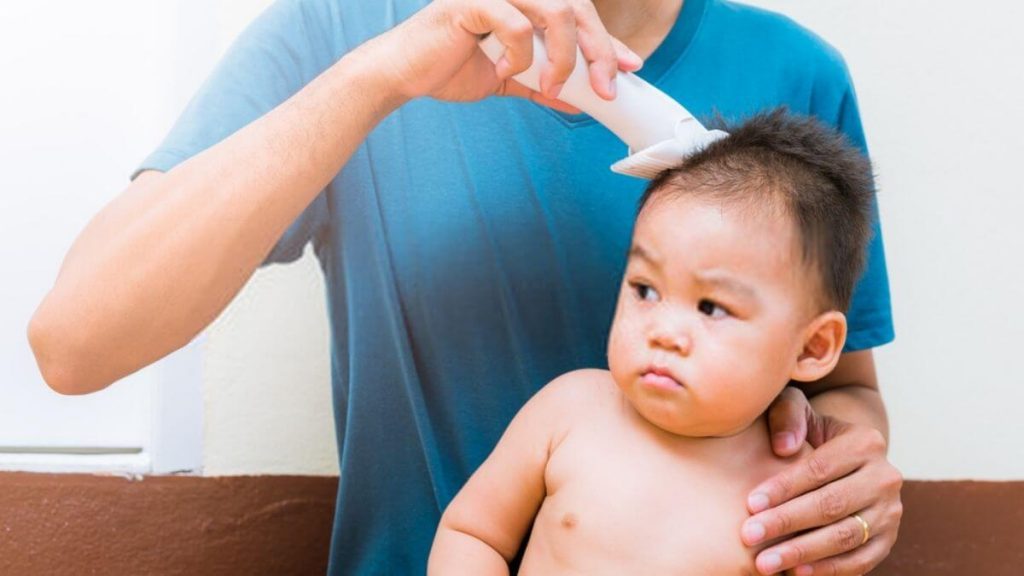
601,490
647,477
716,301
159,263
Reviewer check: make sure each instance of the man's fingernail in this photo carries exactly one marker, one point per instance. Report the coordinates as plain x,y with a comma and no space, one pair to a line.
757,502
804,570
785,441
771,561
753,532
611,87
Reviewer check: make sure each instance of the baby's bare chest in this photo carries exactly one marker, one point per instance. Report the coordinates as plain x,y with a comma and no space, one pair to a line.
622,507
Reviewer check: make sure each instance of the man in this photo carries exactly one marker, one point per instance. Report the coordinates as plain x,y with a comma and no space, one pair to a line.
447,232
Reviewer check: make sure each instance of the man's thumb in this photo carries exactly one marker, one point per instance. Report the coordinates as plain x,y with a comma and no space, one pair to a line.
789,417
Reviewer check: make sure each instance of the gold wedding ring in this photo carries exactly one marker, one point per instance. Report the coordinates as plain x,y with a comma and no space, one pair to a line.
864,525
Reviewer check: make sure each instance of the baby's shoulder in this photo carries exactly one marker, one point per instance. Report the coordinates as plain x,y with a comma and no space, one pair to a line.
576,397
581,389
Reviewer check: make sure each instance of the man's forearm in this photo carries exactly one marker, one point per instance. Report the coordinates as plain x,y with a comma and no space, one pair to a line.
160,262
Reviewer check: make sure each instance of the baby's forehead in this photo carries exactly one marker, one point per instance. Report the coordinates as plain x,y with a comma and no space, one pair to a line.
768,195
760,218
760,244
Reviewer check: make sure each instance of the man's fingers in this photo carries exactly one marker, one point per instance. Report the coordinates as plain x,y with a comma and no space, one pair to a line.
629,61
560,43
566,24
596,45
511,26
833,540
557,20
856,562
830,461
883,522
788,418
823,507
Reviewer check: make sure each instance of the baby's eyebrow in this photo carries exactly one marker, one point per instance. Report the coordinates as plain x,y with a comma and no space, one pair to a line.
638,251
726,282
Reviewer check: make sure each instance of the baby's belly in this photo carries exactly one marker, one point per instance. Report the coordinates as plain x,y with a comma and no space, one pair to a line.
691,532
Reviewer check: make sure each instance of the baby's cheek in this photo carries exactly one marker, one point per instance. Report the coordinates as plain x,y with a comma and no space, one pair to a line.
624,343
734,397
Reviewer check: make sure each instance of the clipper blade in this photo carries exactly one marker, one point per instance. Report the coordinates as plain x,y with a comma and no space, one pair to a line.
653,160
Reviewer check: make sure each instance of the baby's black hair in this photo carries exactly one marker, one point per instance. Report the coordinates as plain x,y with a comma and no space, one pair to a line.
779,160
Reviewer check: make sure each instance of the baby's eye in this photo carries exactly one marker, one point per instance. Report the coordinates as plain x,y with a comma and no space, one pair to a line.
645,292
710,308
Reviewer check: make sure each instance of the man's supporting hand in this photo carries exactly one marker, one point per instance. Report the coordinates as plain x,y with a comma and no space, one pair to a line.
813,502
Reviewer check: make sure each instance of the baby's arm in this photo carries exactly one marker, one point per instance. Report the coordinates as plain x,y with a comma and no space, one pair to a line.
483,527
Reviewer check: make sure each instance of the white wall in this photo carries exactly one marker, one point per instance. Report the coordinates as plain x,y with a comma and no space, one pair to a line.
941,88
67,72
89,90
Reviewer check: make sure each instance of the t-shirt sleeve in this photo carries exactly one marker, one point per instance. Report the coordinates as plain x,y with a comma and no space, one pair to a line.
286,47
870,313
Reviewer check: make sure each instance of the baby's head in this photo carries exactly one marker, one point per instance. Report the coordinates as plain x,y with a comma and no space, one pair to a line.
742,264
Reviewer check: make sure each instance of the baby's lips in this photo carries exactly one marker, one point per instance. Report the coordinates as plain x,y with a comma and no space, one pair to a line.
661,379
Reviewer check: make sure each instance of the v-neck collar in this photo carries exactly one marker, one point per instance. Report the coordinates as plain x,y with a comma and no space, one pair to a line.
664,56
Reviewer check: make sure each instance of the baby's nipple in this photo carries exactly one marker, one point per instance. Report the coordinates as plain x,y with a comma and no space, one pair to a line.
569,520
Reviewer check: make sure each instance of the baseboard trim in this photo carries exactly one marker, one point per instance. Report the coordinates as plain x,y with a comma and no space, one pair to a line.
73,524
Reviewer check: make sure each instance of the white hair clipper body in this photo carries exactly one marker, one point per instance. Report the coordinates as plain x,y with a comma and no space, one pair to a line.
660,133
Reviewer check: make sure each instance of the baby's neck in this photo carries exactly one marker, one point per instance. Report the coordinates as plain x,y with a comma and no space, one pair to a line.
749,444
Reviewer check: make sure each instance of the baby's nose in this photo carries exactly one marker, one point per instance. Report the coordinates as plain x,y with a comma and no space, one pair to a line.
672,336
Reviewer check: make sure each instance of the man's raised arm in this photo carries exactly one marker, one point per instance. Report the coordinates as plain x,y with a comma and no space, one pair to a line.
161,261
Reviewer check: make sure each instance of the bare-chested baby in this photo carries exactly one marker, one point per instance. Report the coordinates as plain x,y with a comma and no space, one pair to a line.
742,262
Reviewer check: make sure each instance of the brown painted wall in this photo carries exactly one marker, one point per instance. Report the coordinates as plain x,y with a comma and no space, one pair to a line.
59,525
959,528
77,524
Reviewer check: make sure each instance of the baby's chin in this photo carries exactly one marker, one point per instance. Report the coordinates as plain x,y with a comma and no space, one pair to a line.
701,429
680,423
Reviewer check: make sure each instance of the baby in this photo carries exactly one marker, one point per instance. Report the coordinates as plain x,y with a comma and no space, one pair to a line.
742,262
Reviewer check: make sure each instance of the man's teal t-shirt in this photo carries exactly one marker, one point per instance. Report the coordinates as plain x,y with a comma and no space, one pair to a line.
473,252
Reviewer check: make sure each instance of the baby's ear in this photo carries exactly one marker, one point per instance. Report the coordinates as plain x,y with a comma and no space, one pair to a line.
823,343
